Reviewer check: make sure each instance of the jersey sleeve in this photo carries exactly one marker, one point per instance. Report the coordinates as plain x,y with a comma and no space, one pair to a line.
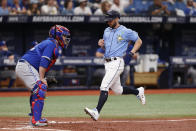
47,55
131,35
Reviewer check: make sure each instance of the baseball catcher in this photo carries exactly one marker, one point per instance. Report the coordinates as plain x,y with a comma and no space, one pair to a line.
33,65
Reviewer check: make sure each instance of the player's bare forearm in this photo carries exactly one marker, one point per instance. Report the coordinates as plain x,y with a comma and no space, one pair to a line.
136,46
42,72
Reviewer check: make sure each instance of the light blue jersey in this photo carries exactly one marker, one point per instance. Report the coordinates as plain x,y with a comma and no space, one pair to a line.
116,41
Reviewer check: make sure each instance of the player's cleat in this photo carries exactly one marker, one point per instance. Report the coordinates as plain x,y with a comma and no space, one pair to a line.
39,123
93,113
42,120
141,95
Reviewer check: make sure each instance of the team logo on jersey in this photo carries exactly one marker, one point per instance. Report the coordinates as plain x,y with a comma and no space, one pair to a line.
120,38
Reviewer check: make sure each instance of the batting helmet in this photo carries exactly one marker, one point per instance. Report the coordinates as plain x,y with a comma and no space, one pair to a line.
57,32
112,14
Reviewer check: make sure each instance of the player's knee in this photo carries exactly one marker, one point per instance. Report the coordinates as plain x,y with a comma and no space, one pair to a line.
118,91
40,90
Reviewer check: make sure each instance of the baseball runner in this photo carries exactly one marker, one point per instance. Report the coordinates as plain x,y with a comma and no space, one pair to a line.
115,41
31,69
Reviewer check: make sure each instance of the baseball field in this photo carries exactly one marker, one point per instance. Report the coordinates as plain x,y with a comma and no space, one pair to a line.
165,110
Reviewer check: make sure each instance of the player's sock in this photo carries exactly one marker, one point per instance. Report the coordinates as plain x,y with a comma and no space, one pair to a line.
102,99
130,90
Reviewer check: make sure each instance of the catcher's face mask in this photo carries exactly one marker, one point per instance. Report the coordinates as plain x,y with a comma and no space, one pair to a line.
66,39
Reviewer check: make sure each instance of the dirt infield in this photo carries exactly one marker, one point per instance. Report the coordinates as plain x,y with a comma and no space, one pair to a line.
84,124
95,92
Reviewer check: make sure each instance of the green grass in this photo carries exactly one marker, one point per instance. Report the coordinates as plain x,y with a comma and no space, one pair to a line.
159,105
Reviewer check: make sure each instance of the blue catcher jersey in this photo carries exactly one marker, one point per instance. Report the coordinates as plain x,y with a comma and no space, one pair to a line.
43,53
116,41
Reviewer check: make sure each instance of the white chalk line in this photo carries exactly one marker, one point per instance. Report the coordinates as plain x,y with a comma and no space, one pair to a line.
121,121
28,127
83,122
32,128
111,121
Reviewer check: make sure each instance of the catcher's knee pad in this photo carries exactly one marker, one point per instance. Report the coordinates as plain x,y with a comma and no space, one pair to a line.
39,90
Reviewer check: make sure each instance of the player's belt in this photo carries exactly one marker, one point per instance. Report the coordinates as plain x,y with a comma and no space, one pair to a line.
110,59
22,60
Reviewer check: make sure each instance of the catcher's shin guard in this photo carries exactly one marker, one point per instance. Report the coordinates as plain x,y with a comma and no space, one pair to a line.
39,92
37,110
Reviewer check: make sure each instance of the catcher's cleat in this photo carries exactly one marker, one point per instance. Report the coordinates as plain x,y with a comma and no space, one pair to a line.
42,120
39,123
93,113
141,95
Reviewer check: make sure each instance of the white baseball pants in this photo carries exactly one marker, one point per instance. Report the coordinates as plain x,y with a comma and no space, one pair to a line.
112,76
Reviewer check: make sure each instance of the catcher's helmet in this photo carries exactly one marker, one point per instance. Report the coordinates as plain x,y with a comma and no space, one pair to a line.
57,32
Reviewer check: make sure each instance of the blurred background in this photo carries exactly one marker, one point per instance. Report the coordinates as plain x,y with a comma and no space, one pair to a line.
167,28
